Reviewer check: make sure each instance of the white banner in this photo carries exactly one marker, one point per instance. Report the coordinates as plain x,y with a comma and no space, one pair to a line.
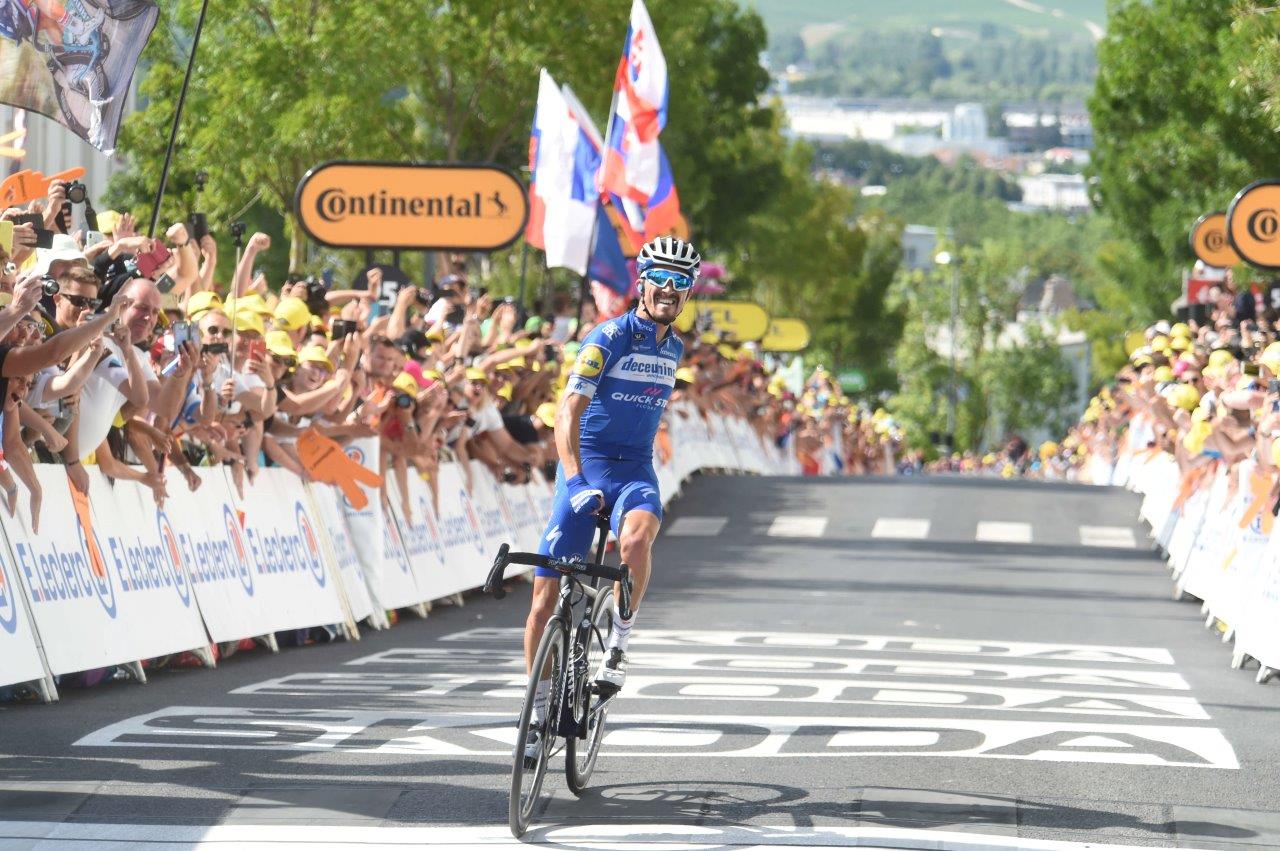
19,655
467,551
327,502
386,567
419,537
124,598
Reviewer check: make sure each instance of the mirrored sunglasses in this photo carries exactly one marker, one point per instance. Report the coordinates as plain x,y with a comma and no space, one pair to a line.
663,278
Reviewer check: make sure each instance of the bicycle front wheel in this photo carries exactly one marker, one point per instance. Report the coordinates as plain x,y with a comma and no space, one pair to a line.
580,754
527,773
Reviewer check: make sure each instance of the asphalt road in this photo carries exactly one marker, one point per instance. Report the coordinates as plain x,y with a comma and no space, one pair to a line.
897,663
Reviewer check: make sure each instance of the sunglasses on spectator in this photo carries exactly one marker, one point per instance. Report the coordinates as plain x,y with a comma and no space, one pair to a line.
663,278
218,331
284,360
81,301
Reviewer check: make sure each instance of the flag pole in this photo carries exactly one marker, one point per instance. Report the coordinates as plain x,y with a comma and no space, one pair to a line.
595,220
177,118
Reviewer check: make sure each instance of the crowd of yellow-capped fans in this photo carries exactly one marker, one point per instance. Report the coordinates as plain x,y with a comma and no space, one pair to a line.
1207,394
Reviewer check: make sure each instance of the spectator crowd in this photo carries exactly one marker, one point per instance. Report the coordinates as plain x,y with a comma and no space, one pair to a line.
1205,390
139,354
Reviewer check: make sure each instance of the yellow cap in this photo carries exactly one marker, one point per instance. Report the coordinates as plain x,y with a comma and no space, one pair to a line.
686,374
1275,453
1200,415
1179,344
406,383
727,352
278,343
707,338
515,363
250,301
315,354
506,391
1048,449
202,302
435,334
108,221
546,414
1180,329
1270,358
1219,358
1163,373
292,314
248,321
1158,342
1183,396
475,373
433,374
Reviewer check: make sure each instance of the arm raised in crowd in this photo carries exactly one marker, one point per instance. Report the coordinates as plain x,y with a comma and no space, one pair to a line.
30,359
258,243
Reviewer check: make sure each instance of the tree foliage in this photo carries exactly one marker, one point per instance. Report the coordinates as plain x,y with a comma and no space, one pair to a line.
282,86
990,64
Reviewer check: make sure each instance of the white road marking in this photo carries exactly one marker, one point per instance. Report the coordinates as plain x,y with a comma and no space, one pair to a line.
395,731
911,528
398,688
1004,532
1107,536
670,837
467,661
696,527
797,526
845,642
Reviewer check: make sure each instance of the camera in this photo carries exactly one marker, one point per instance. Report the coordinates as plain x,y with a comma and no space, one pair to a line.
49,285
76,192
342,328
404,400
214,348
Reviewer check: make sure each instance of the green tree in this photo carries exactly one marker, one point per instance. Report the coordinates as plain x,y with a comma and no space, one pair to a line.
1176,137
282,86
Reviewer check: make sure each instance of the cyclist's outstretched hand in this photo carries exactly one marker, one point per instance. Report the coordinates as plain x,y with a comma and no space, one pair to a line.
583,497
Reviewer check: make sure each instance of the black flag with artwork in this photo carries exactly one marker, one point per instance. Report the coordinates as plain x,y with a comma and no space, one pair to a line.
72,60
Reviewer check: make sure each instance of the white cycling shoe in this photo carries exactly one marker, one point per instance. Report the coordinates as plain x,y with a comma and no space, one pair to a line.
612,672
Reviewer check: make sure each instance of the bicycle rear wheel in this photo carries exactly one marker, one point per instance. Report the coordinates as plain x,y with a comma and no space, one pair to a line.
580,754
527,774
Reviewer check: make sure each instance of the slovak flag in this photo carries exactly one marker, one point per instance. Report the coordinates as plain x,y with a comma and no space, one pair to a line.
563,161
636,172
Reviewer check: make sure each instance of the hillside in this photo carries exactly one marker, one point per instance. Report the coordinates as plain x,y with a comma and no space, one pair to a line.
816,20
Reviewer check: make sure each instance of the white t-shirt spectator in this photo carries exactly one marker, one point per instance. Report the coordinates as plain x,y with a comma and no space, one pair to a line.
487,419
101,399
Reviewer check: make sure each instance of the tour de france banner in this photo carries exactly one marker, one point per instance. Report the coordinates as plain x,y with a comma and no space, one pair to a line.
73,60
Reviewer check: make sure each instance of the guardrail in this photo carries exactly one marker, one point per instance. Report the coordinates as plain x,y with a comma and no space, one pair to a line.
113,580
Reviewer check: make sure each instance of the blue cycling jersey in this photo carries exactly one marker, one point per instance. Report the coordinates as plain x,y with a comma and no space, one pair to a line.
628,376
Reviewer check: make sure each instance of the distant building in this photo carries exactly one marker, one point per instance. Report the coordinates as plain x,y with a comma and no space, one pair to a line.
919,246
1065,192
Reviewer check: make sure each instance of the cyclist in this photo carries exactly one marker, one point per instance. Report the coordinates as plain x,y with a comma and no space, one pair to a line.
605,427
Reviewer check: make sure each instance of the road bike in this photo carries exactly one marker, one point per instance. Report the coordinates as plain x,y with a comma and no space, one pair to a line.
571,647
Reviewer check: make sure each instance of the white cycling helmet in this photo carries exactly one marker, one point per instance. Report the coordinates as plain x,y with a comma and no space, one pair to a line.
670,251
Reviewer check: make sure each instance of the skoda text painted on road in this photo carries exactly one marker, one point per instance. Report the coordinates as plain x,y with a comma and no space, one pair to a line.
665,736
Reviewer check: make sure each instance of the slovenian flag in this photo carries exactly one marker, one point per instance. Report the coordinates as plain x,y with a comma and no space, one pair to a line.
636,172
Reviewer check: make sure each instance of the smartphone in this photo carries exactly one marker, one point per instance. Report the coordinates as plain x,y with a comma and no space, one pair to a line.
34,219
183,333
44,238
1273,386
93,237
164,283
343,328
6,237
151,261
258,350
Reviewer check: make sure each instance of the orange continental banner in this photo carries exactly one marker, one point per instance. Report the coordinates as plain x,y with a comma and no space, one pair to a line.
1253,224
411,206
786,335
1210,243
741,321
